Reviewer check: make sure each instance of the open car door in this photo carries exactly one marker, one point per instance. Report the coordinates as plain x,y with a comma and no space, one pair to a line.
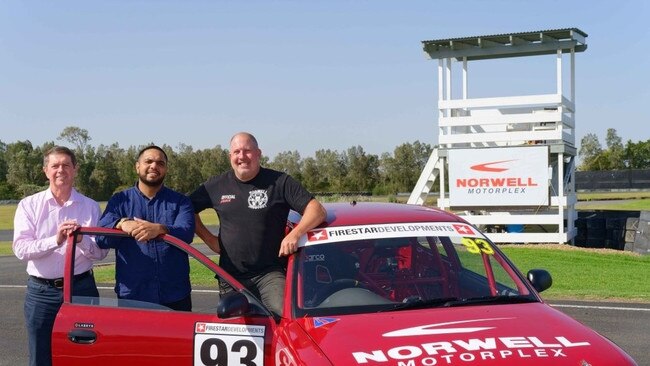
230,330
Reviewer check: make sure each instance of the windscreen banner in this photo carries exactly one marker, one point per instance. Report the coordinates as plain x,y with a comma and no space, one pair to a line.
509,176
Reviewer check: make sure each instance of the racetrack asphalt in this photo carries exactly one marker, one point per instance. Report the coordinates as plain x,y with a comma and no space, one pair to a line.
627,324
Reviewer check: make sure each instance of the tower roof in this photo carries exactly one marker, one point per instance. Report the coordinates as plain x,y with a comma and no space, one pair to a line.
543,42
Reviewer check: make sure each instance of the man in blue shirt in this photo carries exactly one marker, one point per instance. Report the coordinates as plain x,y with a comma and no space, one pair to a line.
147,268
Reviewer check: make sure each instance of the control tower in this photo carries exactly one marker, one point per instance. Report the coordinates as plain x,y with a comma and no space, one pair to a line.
508,163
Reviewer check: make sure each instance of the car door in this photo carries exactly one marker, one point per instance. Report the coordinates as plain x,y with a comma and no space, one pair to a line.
108,331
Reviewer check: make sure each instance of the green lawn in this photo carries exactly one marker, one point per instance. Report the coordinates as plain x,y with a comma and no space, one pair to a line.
5,248
629,201
7,212
578,273
583,273
200,275
624,205
7,216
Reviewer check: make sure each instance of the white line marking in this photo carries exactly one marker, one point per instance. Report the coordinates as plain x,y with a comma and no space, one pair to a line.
110,288
553,305
598,307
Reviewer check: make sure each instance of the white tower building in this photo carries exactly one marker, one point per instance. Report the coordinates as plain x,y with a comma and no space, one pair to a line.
508,163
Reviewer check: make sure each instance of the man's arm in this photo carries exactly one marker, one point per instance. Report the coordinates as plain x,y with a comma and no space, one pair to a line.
183,227
211,240
313,216
87,243
109,219
26,245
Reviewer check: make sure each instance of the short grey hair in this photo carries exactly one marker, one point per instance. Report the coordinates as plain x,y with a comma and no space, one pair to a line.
59,150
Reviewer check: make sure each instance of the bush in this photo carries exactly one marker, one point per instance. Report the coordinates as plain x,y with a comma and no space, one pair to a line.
7,192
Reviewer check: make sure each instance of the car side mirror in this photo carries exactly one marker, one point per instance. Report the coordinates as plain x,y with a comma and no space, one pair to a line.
233,304
540,279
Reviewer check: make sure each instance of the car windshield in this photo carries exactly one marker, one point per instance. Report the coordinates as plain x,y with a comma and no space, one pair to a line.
404,272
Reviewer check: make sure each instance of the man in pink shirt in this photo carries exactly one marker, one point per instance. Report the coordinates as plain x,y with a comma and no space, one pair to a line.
42,224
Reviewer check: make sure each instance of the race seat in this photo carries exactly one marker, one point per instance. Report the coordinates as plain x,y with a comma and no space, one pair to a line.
325,270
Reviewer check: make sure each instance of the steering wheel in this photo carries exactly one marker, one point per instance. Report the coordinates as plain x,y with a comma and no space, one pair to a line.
335,286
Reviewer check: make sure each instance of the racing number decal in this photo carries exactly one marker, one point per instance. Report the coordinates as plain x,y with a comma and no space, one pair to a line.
216,352
478,246
224,345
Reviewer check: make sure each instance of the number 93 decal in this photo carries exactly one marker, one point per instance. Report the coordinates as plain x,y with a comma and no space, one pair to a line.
478,246
227,345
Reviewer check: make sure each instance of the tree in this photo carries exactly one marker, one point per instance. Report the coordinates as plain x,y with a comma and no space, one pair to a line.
590,152
104,178
3,161
125,166
331,169
404,167
615,154
638,154
76,136
24,166
211,162
288,162
311,177
184,173
363,170
6,191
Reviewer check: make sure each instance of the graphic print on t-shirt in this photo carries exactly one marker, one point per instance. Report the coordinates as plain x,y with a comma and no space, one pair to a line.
257,199
226,198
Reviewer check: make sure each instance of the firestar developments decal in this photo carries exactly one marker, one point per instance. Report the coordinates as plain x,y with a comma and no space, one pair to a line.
228,344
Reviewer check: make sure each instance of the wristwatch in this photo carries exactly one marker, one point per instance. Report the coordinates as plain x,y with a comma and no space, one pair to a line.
122,220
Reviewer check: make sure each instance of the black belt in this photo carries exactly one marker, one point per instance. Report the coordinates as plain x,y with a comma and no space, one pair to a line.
58,282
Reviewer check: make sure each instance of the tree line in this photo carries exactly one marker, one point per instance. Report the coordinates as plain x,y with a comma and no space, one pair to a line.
104,170
615,155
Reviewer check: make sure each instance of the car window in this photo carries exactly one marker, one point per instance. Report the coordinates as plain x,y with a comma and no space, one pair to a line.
373,274
204,284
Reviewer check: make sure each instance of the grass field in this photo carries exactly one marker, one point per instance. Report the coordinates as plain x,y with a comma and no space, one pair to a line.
209,217
7,212
625,201
583,273
579,273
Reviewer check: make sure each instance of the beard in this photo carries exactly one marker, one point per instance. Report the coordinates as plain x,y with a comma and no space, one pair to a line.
157,182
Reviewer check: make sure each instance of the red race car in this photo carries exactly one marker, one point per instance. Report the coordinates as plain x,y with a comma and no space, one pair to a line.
377,284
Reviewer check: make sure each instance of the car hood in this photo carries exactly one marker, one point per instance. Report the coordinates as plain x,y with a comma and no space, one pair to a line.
521,334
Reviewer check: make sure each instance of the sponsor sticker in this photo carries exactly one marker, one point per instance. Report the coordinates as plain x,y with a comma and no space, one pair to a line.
468,347
317,235
320,321
377,231
228,344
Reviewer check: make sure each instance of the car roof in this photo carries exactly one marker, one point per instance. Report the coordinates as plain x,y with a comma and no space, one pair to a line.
360,213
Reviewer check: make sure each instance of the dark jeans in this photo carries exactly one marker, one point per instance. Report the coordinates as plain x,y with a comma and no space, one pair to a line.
268,287
184,304
42,302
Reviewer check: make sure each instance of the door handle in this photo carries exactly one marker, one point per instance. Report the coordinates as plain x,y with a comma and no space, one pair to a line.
82,336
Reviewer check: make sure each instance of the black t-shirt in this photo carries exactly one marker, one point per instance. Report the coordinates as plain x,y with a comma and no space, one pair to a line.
252,217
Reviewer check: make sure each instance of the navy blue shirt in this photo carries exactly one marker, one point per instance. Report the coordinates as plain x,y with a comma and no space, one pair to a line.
151,271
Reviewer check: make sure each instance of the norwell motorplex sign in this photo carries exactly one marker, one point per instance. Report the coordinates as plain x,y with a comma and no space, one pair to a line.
510,176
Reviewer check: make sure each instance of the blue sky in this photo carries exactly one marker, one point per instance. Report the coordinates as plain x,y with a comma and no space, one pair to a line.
300,75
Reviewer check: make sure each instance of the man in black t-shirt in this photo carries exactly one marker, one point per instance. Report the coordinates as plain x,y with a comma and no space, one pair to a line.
253,204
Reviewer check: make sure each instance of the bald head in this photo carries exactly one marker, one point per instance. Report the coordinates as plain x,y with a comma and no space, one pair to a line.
245,156
245,135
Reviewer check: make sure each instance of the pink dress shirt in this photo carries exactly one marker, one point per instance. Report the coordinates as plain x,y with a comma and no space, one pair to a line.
35,225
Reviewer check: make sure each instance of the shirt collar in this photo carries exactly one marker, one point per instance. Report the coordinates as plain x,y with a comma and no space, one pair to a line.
74,196
160,191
